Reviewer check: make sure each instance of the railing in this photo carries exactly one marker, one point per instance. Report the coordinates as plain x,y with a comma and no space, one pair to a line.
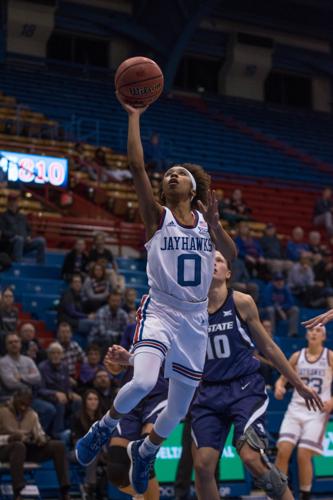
62,233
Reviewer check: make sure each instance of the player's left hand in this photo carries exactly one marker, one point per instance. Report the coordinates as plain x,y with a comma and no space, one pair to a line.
328,406
210,212
117,355
312,400
322,319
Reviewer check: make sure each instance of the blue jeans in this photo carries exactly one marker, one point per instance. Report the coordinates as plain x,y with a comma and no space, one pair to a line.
46,412
21,247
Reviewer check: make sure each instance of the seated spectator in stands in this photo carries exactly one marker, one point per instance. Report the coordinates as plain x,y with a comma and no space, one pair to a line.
154,154
8,316
279,304
129,303
106,389
71,308
18,371
82,163
250,251
301,281
266,368
222,203
23,439
240,280
99,253
323,269
73,355
322,213
56,387
91,365
238,205
111,322
76,261
96,288
272,251
316,247
15,229
296,246
81,422
30,345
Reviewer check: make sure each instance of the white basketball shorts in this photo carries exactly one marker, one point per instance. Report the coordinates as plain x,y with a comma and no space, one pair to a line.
175,330
303,427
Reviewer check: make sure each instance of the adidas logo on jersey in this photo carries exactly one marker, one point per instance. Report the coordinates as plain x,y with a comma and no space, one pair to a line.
171,224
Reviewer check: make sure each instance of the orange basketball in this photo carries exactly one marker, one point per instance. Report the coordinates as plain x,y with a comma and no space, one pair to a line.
139,81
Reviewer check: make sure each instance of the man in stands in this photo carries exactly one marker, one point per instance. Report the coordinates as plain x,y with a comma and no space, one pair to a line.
18,372
105,388
73,354
272,250
111,322
23,439
322,214
250,251
296,246
279,304
16,231
71,309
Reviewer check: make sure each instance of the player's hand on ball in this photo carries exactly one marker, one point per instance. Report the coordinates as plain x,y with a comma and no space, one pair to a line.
131,110
117,355
210,212
322,319
312,400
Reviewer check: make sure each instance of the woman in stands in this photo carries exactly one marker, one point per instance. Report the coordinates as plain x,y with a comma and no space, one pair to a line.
232,390
172,322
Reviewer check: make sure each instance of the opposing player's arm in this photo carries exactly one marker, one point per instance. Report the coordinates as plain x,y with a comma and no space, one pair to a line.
249,313
322,319
221,239
150,209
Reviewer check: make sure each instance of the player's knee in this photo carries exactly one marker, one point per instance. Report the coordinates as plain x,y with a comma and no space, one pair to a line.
273,482
249,457
204,471
118,466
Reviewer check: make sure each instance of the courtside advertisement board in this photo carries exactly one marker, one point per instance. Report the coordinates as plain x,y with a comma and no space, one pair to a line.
324,464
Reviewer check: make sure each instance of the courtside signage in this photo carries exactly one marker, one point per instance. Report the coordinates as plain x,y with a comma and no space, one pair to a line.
33,169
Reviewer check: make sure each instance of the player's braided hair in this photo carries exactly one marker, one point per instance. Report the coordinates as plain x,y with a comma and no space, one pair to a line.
203,184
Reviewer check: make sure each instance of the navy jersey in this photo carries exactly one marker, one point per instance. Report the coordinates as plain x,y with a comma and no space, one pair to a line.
230,350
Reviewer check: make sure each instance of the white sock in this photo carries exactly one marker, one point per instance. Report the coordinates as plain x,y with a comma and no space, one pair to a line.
108,421
148,448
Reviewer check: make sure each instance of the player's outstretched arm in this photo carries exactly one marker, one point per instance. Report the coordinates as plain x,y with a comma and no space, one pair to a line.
249,313
150,209
222,241
280,384
322,319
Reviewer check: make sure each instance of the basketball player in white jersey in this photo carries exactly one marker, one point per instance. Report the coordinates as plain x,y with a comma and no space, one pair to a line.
300,427
173,318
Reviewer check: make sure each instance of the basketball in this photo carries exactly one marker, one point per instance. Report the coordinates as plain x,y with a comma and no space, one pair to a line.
139,81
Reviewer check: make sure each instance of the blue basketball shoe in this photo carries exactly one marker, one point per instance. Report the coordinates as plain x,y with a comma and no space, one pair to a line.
140,467
88,447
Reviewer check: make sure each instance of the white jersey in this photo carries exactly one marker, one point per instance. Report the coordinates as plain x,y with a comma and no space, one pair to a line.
316,374
181,258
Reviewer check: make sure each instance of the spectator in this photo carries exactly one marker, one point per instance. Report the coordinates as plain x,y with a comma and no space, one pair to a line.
56,387
96,288
111,322
323,269
223,204
154,154
105,388
239,207
315,246
296,246
8,316
30,344
75,261
73,355
99,253
130,297
302,283
71,308
279,304
240,280
82,163
322,214
91,366
23,439
250,251
272,251
80,424
16,230
17,372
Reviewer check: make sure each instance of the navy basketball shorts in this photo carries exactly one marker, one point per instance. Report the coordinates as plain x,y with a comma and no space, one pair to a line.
146,412
217,406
